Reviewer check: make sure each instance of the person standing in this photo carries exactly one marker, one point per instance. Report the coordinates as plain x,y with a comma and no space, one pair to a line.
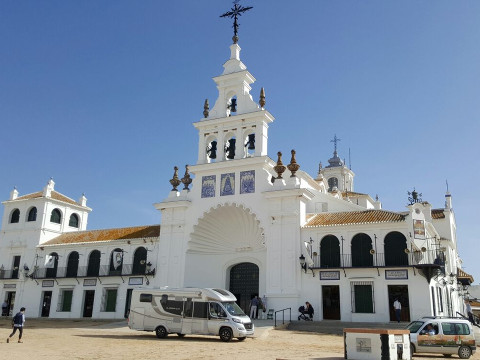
468,310
17,324
398,309
4,308
309,310
253,307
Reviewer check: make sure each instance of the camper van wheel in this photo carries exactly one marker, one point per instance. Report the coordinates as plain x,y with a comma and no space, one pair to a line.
241,339
180,335
226,334
464,352
161,332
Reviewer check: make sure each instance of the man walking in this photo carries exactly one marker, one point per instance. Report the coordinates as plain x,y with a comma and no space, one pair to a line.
398,309
253,307
17,324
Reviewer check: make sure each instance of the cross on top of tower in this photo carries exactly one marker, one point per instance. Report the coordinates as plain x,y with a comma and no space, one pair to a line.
234,13
335,141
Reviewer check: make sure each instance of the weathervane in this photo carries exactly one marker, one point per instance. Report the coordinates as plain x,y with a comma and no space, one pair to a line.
414,197
234,13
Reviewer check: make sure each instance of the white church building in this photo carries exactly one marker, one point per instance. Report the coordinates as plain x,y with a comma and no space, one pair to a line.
240,220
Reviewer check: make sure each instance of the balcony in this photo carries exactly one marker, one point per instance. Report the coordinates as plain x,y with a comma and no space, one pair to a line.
85,271
417,259
8,274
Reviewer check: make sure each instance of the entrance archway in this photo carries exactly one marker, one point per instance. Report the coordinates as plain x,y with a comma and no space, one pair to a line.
244,283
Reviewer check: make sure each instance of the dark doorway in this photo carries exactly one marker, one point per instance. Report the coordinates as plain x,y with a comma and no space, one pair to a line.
88,303
399,292
10,302
47,301
331,302
128,301
244,284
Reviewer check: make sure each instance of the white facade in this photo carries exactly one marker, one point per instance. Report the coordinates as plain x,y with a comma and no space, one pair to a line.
243,227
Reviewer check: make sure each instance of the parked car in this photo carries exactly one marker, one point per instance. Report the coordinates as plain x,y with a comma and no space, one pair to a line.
442,335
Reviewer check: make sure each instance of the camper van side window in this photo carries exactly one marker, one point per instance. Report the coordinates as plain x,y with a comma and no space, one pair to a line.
200,310
145,297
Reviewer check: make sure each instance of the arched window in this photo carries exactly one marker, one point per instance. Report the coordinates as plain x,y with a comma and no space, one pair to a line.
139,261
56,216
211,150
72,264
51,265
395,246
73,221
330,252
32,214
230,147
361,250
116,262
15,217
93,268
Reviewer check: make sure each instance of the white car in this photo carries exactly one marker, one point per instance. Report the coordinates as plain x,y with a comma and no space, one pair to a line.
442,335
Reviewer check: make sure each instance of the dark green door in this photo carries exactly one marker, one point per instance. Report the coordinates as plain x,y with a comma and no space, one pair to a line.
244,284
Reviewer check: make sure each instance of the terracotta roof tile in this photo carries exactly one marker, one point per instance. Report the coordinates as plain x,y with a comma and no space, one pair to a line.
352,193
354,217
462,275
438,214
54,195
136,232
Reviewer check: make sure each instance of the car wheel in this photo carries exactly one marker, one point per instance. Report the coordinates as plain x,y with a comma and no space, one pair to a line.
161,332
241,339
226,334
464,352
180,335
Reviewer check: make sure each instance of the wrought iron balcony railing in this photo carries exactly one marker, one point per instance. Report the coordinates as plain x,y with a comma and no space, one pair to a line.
9,274
85,271
414,259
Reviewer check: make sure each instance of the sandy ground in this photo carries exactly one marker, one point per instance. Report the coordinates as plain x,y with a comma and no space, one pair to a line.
87,339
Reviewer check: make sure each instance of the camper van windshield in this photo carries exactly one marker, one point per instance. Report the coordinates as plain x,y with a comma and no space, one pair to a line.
233,308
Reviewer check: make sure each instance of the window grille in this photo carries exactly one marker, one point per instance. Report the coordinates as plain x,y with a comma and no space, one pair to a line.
363,296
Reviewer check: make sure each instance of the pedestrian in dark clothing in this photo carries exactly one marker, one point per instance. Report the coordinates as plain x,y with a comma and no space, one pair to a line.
17,324
309,309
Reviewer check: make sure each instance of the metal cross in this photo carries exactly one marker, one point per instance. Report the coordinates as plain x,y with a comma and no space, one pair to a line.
234,13
335,140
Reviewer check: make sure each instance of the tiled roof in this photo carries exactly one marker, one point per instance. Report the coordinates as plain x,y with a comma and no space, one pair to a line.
354,217
137,232
54,195
462,275
438,214
352,193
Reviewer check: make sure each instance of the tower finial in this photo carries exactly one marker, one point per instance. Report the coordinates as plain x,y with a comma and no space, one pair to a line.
206,108
262,98
234,13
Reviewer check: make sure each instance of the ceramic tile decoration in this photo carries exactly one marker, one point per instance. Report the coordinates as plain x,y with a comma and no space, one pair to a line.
208,186
247,182
227,184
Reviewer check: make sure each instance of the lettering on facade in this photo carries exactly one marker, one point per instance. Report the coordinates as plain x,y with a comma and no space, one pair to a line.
89,282
135,281
9,286
47,283
396,274
329,275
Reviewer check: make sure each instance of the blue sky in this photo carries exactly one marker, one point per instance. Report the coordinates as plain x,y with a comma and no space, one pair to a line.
101,96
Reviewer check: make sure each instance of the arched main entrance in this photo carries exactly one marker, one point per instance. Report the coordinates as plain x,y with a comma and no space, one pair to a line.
244,283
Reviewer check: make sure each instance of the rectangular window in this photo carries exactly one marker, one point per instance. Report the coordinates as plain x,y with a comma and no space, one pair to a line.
146,298
109,300
440,299
362,297
65,301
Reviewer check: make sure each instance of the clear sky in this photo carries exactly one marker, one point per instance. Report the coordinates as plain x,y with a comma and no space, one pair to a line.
101,96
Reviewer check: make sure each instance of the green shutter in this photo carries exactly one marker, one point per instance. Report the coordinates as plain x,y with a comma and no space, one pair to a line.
67,300
363,299
111,300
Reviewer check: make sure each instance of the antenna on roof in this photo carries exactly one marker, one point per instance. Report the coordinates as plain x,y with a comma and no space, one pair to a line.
349,159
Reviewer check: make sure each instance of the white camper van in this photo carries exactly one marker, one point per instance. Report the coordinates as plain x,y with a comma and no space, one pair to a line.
189,311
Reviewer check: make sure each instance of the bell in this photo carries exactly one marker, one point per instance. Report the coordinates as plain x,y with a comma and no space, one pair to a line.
251,142
230,150
212,150
233,105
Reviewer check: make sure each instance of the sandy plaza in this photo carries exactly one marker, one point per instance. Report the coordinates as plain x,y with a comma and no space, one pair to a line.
101,339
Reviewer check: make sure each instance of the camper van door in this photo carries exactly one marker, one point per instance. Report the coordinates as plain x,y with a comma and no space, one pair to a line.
217,317
187,316
137,316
